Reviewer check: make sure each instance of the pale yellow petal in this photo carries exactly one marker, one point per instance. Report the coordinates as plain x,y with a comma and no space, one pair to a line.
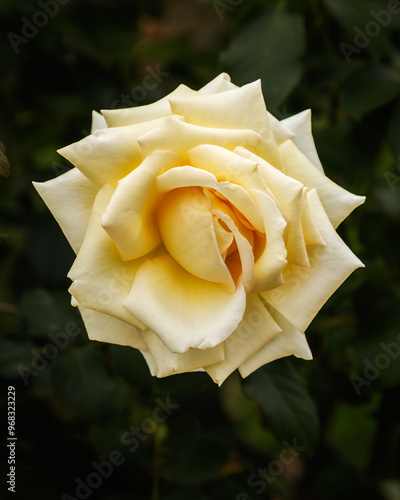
337,202
227,166
105,328
130,217
177,135
188,176
312,235
108,154
240,108
281,133
101,281
255,330
269,266
221,83
70,198
300,126
307,289
288,192
168,363
289,342
148,112
187,230
183,310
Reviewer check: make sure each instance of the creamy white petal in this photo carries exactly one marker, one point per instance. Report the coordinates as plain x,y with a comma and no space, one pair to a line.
281,133
337,202
307,289
106,328
130,217
70,198
168,363
300,126
255,330
289,342
183,310
221,83
98,121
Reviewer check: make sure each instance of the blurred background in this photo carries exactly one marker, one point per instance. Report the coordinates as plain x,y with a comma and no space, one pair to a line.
90,420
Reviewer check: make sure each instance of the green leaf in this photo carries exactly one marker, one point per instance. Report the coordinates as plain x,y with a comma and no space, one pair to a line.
15,352
369,88
43,314
81,381
269,47
282,394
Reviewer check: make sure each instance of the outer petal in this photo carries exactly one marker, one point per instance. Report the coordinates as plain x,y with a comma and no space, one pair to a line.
289,342
337,202
255,330
98,121
130,217
307,289
149,112
184,311
300,125
176,135
281,133
70,199
101,280
221,83
167,362
109,154
105,328
240,108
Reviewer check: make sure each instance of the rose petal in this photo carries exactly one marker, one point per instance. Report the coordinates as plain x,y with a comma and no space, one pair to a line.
101,280
105,328
307,289
337,202
70,198
241,108
281,133
300,126
98,121
179,136
188,176
269,266
183,310
168,363
130,217
289,342
226,165
109,154
255,330
312,235
187,229
148,112
221,83
288,193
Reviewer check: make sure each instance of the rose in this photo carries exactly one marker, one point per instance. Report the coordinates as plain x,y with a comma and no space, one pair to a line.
204,230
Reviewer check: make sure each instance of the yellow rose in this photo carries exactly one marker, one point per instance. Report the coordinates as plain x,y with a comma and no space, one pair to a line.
204,230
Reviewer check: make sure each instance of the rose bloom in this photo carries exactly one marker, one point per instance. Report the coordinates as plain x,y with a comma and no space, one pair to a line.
204,230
